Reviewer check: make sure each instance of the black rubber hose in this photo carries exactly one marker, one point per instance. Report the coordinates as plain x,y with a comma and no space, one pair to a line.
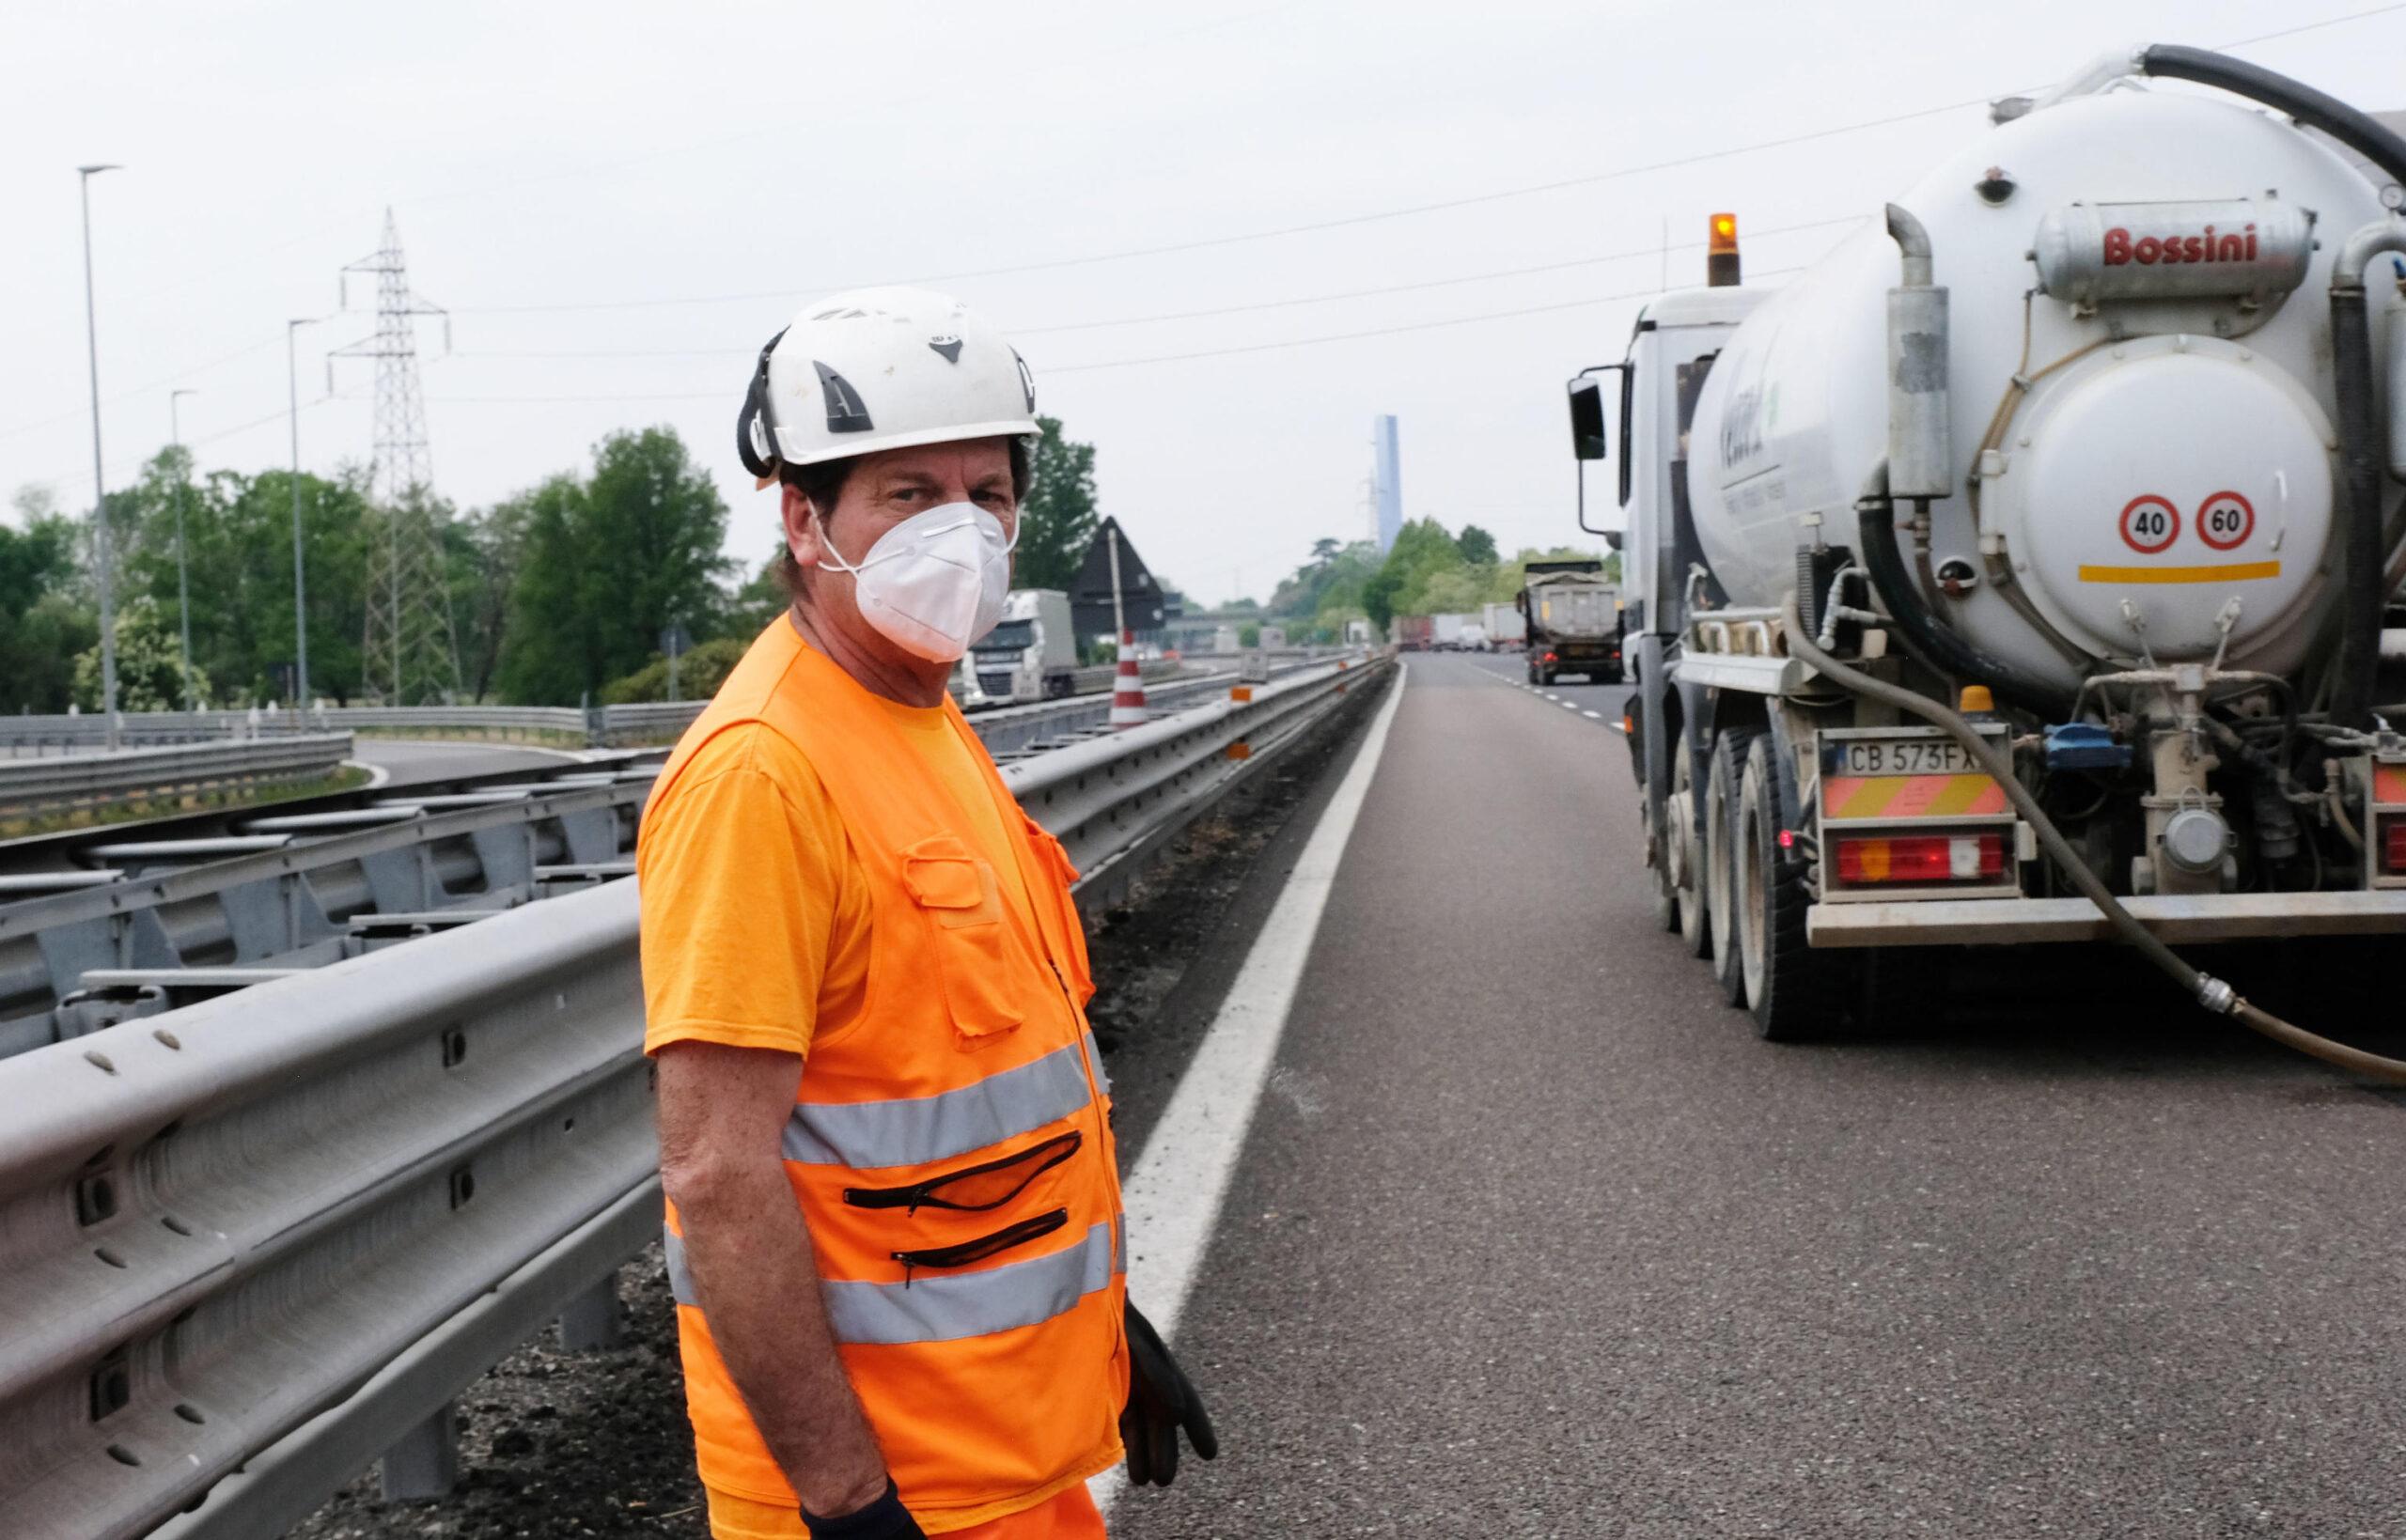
2212,993
1936,640
2360,132
2353,662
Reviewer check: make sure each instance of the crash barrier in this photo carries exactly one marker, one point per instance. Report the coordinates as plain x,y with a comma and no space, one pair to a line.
152,923
79,783
251,1243
599,726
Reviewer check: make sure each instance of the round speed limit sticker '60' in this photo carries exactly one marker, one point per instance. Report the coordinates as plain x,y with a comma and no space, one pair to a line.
2224,520
2149,523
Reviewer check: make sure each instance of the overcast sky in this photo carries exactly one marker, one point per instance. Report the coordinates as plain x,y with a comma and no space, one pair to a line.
618,203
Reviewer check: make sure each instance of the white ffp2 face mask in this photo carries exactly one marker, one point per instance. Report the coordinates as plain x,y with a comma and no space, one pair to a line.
934,583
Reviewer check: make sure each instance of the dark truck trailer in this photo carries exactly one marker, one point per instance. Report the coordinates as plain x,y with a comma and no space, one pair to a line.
1575,621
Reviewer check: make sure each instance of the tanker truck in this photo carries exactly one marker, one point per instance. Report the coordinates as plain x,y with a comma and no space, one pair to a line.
2027,571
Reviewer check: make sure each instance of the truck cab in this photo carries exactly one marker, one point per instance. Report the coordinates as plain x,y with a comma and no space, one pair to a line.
1031,654
1671,348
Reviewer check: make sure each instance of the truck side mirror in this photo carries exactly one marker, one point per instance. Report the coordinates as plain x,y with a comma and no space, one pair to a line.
1587,418
1612,539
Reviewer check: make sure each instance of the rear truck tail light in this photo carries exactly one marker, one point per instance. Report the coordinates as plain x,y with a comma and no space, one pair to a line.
1921,861
2393,846
1552,659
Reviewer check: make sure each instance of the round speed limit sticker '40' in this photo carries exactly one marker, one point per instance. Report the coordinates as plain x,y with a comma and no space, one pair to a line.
2151,523
2224,520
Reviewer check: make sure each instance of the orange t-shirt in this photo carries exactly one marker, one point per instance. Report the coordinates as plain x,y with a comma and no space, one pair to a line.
756,913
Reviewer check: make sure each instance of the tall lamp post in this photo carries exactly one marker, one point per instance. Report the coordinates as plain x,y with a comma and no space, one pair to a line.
183,574
299,574
99,490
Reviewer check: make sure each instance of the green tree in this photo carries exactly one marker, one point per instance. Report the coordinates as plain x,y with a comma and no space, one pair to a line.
44,619
610,562
1058,520
699,673
1324,550
1476,546
1249,635
150,664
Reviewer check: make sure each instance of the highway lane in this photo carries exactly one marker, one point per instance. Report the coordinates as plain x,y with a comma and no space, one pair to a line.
1533,1238
413,761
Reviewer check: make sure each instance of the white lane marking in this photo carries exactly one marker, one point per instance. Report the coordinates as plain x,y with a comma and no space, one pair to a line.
1593,716
1568,705
1173,1195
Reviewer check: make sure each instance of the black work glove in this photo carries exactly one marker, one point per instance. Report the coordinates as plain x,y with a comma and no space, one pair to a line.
1161,1401
884,1520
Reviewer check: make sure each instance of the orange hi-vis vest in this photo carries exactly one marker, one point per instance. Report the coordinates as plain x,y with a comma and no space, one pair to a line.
952,1156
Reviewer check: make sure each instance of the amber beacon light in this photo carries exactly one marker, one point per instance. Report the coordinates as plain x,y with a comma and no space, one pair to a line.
1721,252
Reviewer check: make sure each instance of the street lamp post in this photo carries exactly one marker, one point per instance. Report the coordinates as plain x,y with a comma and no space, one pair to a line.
299,574
100,489
183,574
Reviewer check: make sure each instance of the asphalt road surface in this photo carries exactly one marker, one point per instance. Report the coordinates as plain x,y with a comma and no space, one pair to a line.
1532,1236
413,761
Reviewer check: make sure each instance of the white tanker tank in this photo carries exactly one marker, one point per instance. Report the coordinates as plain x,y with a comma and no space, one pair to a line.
2119,409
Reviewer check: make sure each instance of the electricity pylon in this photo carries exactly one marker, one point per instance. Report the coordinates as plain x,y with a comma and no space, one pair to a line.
411,650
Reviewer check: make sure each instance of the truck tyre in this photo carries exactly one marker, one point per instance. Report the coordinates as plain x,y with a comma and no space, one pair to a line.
1790,987
1533,671
1665,901
1720,853
1683,846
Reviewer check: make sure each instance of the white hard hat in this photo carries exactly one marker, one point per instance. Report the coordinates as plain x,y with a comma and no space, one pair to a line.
881,368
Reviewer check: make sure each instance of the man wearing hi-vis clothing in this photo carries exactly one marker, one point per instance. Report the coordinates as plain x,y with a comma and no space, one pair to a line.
894,1228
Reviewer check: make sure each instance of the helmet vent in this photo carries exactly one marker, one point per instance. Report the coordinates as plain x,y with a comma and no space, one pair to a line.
845,411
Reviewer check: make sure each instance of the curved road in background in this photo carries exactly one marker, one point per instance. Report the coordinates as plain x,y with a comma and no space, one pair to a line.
412,761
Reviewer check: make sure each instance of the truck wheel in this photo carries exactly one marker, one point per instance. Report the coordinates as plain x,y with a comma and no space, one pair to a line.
1687,858
1790,988
1533,673
1721,855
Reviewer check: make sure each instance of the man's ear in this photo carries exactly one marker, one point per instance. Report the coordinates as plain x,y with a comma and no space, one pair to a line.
801,530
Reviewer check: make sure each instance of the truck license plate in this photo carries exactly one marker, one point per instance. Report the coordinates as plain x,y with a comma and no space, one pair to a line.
1904,756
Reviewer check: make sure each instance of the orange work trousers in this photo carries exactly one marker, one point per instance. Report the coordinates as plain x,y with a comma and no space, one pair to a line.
1070,1516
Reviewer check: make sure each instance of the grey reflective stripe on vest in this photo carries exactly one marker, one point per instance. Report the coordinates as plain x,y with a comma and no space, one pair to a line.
917,1129
947,1306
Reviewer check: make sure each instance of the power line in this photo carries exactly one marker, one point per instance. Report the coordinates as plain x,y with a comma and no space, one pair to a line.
1214,312
132,391
1131,363
1374,216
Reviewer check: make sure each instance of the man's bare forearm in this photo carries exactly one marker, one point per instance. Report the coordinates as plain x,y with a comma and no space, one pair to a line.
756,1277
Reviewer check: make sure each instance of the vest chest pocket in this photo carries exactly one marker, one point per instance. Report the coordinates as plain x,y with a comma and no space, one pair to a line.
959,894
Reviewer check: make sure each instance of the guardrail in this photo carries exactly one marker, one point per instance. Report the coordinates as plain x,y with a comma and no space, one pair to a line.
249,1244
82,782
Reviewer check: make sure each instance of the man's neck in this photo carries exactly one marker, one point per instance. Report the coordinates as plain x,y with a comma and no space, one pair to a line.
915,682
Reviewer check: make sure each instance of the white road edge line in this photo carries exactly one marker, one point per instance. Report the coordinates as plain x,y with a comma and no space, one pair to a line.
1174,1193
1593,716
1568,705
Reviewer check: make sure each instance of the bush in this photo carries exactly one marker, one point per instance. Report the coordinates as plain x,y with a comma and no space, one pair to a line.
699,673
1248,636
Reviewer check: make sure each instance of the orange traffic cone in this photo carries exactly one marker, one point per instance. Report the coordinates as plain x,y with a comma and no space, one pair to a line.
1128,690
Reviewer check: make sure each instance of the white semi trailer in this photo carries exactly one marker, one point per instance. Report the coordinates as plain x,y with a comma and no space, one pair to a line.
2025,571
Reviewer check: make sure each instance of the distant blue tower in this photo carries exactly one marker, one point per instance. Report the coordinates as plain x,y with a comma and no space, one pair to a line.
1386,477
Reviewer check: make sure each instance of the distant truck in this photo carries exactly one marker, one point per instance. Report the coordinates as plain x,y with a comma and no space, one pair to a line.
1031,654
1449,631
1573,621
1505,626
1415,633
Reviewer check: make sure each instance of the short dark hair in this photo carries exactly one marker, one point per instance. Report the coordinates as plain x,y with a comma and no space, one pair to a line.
824,483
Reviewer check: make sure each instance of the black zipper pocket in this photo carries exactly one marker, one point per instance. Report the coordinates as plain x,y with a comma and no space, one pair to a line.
984,1246
976,1189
